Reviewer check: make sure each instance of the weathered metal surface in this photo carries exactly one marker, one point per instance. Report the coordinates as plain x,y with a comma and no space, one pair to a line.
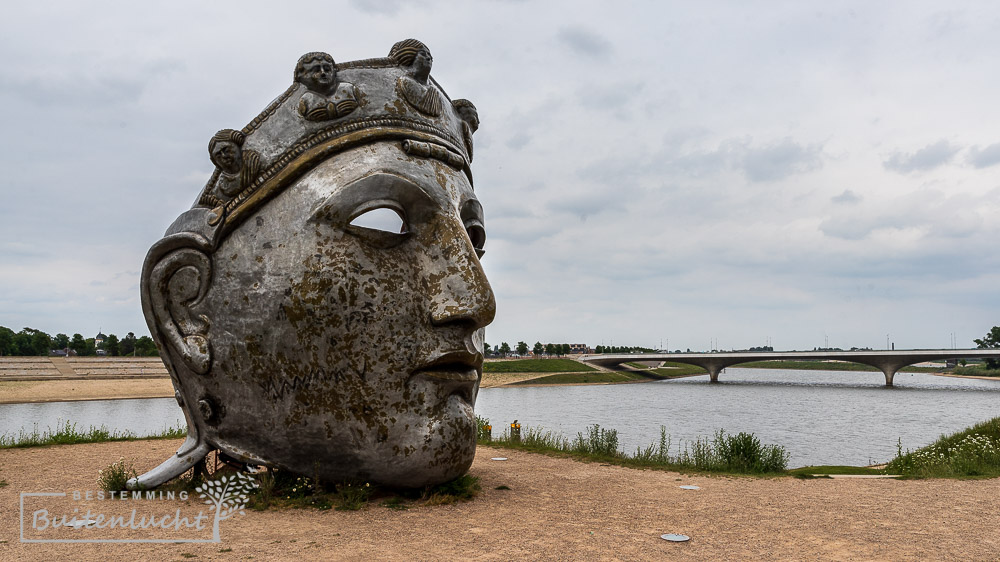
295,336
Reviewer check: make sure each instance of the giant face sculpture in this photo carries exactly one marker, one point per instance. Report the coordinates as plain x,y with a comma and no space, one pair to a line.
328,318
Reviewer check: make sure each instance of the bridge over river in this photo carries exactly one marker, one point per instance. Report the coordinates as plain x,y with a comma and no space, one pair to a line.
886,361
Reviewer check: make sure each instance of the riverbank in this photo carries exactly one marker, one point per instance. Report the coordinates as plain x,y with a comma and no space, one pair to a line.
557,508
55,390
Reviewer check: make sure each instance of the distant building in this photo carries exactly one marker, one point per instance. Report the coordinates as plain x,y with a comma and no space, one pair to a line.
578,348
99,343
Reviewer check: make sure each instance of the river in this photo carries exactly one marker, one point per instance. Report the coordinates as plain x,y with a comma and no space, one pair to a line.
820,417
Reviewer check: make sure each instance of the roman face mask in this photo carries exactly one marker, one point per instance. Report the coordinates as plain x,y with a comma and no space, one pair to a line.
321,307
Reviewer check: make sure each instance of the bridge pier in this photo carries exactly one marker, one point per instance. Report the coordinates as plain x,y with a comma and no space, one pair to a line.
713,373
889,373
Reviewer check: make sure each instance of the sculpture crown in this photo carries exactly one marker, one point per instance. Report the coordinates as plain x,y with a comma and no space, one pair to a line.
331,107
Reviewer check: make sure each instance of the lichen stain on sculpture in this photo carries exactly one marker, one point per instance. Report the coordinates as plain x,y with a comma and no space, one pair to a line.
300,335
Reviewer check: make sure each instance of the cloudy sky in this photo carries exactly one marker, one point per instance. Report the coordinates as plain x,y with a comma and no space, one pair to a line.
678,172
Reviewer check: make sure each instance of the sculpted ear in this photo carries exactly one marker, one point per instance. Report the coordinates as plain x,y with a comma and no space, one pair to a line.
177,282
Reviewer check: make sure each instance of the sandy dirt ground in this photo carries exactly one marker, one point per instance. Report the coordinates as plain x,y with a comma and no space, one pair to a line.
12,392
556,509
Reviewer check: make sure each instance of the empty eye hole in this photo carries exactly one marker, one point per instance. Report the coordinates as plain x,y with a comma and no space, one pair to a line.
478,236
382,218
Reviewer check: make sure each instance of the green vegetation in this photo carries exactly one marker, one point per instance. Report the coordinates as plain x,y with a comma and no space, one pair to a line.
395,503
594,377
828,366
671,370
68,434
283,489
973,452
536,366
807,471
976,371
352,496
990,341
732,454
461,489
668,371
30,342
623,349
114,477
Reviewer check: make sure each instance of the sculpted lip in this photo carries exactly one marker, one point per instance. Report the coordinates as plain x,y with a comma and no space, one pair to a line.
460,366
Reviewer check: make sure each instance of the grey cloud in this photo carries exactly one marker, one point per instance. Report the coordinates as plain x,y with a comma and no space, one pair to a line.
704,162
584,42
781,160
381,7
927,158
614,98
758,163
15,250
102,91
847,229
521,231
110,84
518,141
585,205
932,213
984,157
848,197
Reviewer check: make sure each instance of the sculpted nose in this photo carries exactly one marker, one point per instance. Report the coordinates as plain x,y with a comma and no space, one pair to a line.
459,290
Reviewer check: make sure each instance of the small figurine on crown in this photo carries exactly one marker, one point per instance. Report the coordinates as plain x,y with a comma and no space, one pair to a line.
414,86
326,98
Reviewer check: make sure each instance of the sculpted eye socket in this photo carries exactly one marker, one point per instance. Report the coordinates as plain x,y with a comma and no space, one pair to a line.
384,219
472,216
382,227
478,236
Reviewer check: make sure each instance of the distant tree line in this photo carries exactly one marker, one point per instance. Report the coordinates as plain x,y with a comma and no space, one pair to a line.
32,342
552,349
622,349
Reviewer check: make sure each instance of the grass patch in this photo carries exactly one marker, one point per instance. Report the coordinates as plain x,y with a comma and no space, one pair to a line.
829,366
671,370
636,365
536,366
807,471
395,503
352,496
461,489
68,434
114,477
976,371
280,489
3,483
971,453
581,378
732,454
